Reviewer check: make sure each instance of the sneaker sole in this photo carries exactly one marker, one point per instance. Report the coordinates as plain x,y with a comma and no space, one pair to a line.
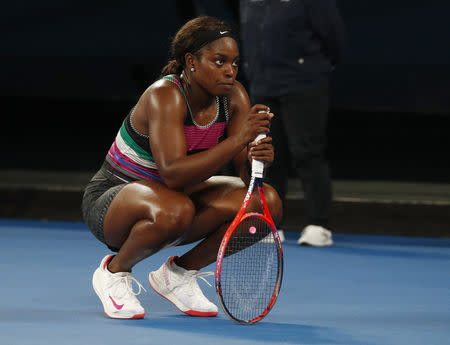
180,306
94,283
310,243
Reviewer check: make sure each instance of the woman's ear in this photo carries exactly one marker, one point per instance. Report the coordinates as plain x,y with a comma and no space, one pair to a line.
189,59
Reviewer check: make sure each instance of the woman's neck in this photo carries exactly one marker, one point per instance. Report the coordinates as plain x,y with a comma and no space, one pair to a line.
199,99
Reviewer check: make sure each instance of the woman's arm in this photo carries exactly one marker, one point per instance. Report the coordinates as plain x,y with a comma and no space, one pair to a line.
166,111
240,110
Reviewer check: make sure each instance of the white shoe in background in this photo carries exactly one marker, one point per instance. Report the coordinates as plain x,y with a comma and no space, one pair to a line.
116,292
281,235
180,287
315,235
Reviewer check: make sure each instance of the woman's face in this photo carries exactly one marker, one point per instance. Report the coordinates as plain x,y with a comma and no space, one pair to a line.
217,68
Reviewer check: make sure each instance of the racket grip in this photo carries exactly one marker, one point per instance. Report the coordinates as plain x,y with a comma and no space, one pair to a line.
258,166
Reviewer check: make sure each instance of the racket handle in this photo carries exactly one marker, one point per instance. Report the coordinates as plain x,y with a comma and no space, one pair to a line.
258,166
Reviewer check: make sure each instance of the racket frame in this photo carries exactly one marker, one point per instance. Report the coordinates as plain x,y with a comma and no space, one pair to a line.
241,215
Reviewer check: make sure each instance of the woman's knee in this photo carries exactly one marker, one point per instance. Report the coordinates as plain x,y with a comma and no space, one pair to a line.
274,203
173,217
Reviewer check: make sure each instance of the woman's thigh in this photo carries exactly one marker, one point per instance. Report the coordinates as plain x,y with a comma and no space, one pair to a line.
217,201
146,200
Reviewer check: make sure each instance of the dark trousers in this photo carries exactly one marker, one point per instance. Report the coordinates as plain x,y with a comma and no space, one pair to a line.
299,138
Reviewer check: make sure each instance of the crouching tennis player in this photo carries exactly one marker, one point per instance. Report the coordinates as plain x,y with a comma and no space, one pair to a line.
156,187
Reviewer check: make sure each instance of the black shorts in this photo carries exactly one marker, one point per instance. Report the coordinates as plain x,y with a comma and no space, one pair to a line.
98,195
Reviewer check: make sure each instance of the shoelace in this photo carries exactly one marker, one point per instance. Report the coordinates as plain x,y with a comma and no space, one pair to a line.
201,275
194,289
129,284
130,280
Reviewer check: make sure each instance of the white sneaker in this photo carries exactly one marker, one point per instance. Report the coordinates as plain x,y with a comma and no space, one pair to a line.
270,239
115,290
180,287
281,235
315,235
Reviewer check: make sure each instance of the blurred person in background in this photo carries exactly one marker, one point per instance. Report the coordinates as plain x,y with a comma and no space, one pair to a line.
290,47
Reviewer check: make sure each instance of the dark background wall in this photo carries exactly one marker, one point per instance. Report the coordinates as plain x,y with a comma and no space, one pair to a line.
71,70
398,56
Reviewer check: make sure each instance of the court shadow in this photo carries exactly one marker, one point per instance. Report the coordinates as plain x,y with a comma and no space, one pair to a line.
381,246
262,332
392,240
23,315
393,253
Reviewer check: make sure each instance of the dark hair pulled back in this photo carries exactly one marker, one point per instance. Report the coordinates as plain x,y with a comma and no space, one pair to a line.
188,39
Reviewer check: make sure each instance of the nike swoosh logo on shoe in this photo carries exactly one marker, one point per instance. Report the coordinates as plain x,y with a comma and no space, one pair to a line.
166,275
118,307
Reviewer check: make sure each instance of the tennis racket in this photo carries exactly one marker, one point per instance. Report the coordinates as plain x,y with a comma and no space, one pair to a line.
249,265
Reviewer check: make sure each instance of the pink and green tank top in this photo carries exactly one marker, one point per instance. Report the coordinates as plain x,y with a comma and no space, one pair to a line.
130,156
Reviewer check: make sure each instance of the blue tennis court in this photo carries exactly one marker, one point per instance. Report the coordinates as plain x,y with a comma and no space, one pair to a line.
364,290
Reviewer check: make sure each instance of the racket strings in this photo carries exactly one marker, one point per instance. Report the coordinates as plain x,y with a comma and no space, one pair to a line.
249,269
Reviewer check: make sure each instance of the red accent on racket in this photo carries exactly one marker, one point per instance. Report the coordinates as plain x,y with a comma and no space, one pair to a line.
249,265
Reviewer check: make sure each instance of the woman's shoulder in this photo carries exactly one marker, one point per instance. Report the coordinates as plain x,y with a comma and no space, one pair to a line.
238,87
163,94
167,83
238,96
164,89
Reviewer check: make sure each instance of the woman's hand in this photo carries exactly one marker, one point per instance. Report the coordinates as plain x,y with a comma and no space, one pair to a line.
261,150
256,122
245,124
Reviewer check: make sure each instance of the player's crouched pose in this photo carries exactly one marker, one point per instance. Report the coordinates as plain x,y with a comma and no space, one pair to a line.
157,187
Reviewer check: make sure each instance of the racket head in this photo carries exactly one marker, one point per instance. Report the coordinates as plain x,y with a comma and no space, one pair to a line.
249,269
